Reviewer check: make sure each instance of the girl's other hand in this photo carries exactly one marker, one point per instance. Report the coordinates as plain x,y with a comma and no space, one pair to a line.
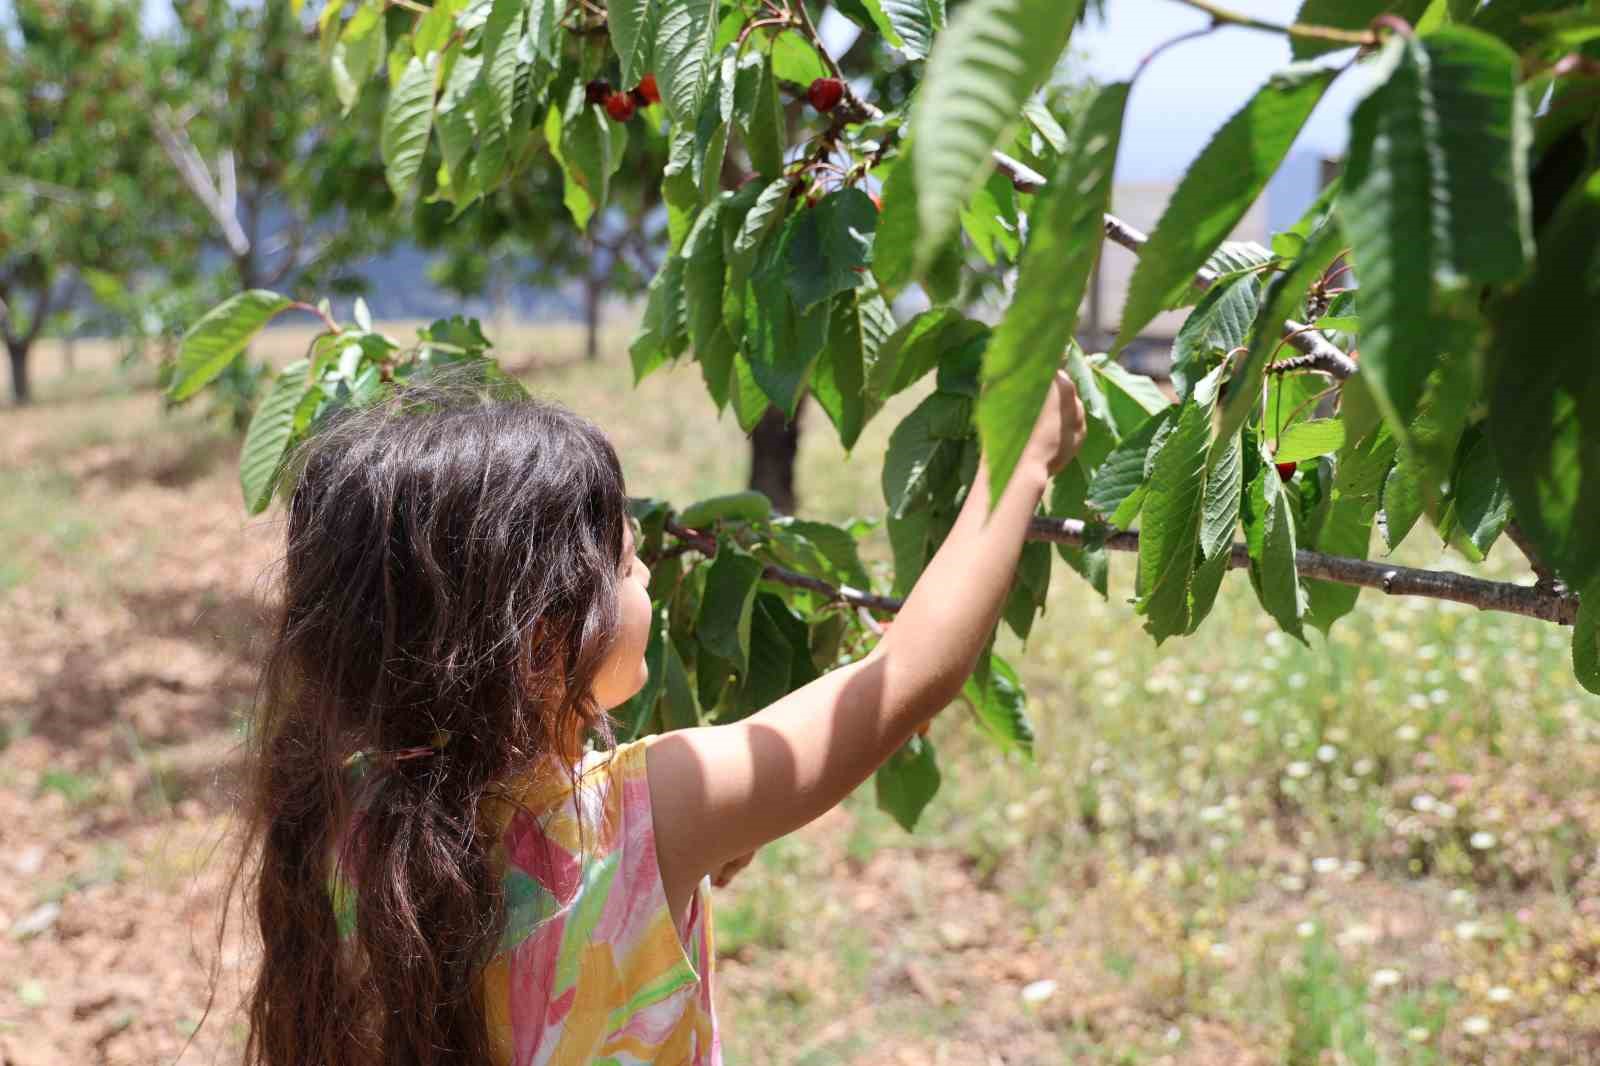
1058,434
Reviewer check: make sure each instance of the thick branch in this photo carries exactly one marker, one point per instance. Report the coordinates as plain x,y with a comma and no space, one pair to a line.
1532,601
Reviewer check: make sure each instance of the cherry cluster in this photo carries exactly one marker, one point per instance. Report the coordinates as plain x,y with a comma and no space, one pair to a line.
622,106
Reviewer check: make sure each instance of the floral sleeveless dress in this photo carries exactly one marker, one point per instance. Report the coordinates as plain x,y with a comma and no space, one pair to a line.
592,969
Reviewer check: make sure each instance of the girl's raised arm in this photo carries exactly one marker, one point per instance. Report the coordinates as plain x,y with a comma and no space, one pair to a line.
718,792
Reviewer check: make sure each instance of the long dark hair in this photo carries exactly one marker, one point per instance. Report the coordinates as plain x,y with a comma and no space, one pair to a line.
451,571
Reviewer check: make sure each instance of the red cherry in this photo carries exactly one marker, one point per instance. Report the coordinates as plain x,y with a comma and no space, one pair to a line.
596,91
647,88
877,201
638,97
825,93
1286,470
620,107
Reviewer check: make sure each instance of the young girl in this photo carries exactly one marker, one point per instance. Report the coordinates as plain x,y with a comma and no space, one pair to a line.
441,873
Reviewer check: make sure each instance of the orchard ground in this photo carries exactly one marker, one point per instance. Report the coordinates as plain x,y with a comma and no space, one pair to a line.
1230,850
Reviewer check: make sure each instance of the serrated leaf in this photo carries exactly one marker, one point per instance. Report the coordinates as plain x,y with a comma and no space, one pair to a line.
630,24
1307,440
1219,187
1116,489
908,781
764,217
862,322
1480,501
781,341
663,332
764,123
356,57
723,624
221,333
1434,191
1544,391
1343,523
983,67
1130,398
923,453
831,247
821,548
914,22
1064,241
893,255
407,121
1271,538
683,62
1000,705
919,346
271,428
1218,324
1174,511
1029,587
1586,640
748,401
795,60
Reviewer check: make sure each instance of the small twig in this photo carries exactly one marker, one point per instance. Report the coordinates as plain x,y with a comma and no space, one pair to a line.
1223,17
327,320
1150,56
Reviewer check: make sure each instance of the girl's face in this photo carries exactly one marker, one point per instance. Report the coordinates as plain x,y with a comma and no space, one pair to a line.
624,671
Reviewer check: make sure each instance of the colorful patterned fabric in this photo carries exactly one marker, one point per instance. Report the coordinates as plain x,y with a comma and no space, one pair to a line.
592,968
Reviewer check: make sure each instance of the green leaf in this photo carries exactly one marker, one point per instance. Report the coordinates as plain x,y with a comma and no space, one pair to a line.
1347,15
1480,502
631,25
1270,534
764,128
795,60
1343,524
895,249
982,69
820,548
640,709
1282,297
684,56
831,247
1435,190
1029,588
1401,502
271,428
1219,324
914,23
723,624
1000,705
1221,184
222,333
407,121
1307,440
1544,391
358,54
1586,640
924,451
1176,508
1130,398
680,709
663,333
781,341
1064,241
763,218
918,347
908,781
861,323
1067,500
749,402
1116,488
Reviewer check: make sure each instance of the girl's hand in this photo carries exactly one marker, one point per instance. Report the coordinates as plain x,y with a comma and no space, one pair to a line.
1058,434
724,875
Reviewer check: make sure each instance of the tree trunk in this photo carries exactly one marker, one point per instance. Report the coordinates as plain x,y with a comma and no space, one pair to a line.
592,288
21,390
773,446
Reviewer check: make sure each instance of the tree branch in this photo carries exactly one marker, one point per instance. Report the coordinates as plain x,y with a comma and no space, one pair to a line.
221,203
1319,353
1531,601
1221,16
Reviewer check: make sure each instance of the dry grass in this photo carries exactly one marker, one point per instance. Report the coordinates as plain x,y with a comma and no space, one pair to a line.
1232,849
